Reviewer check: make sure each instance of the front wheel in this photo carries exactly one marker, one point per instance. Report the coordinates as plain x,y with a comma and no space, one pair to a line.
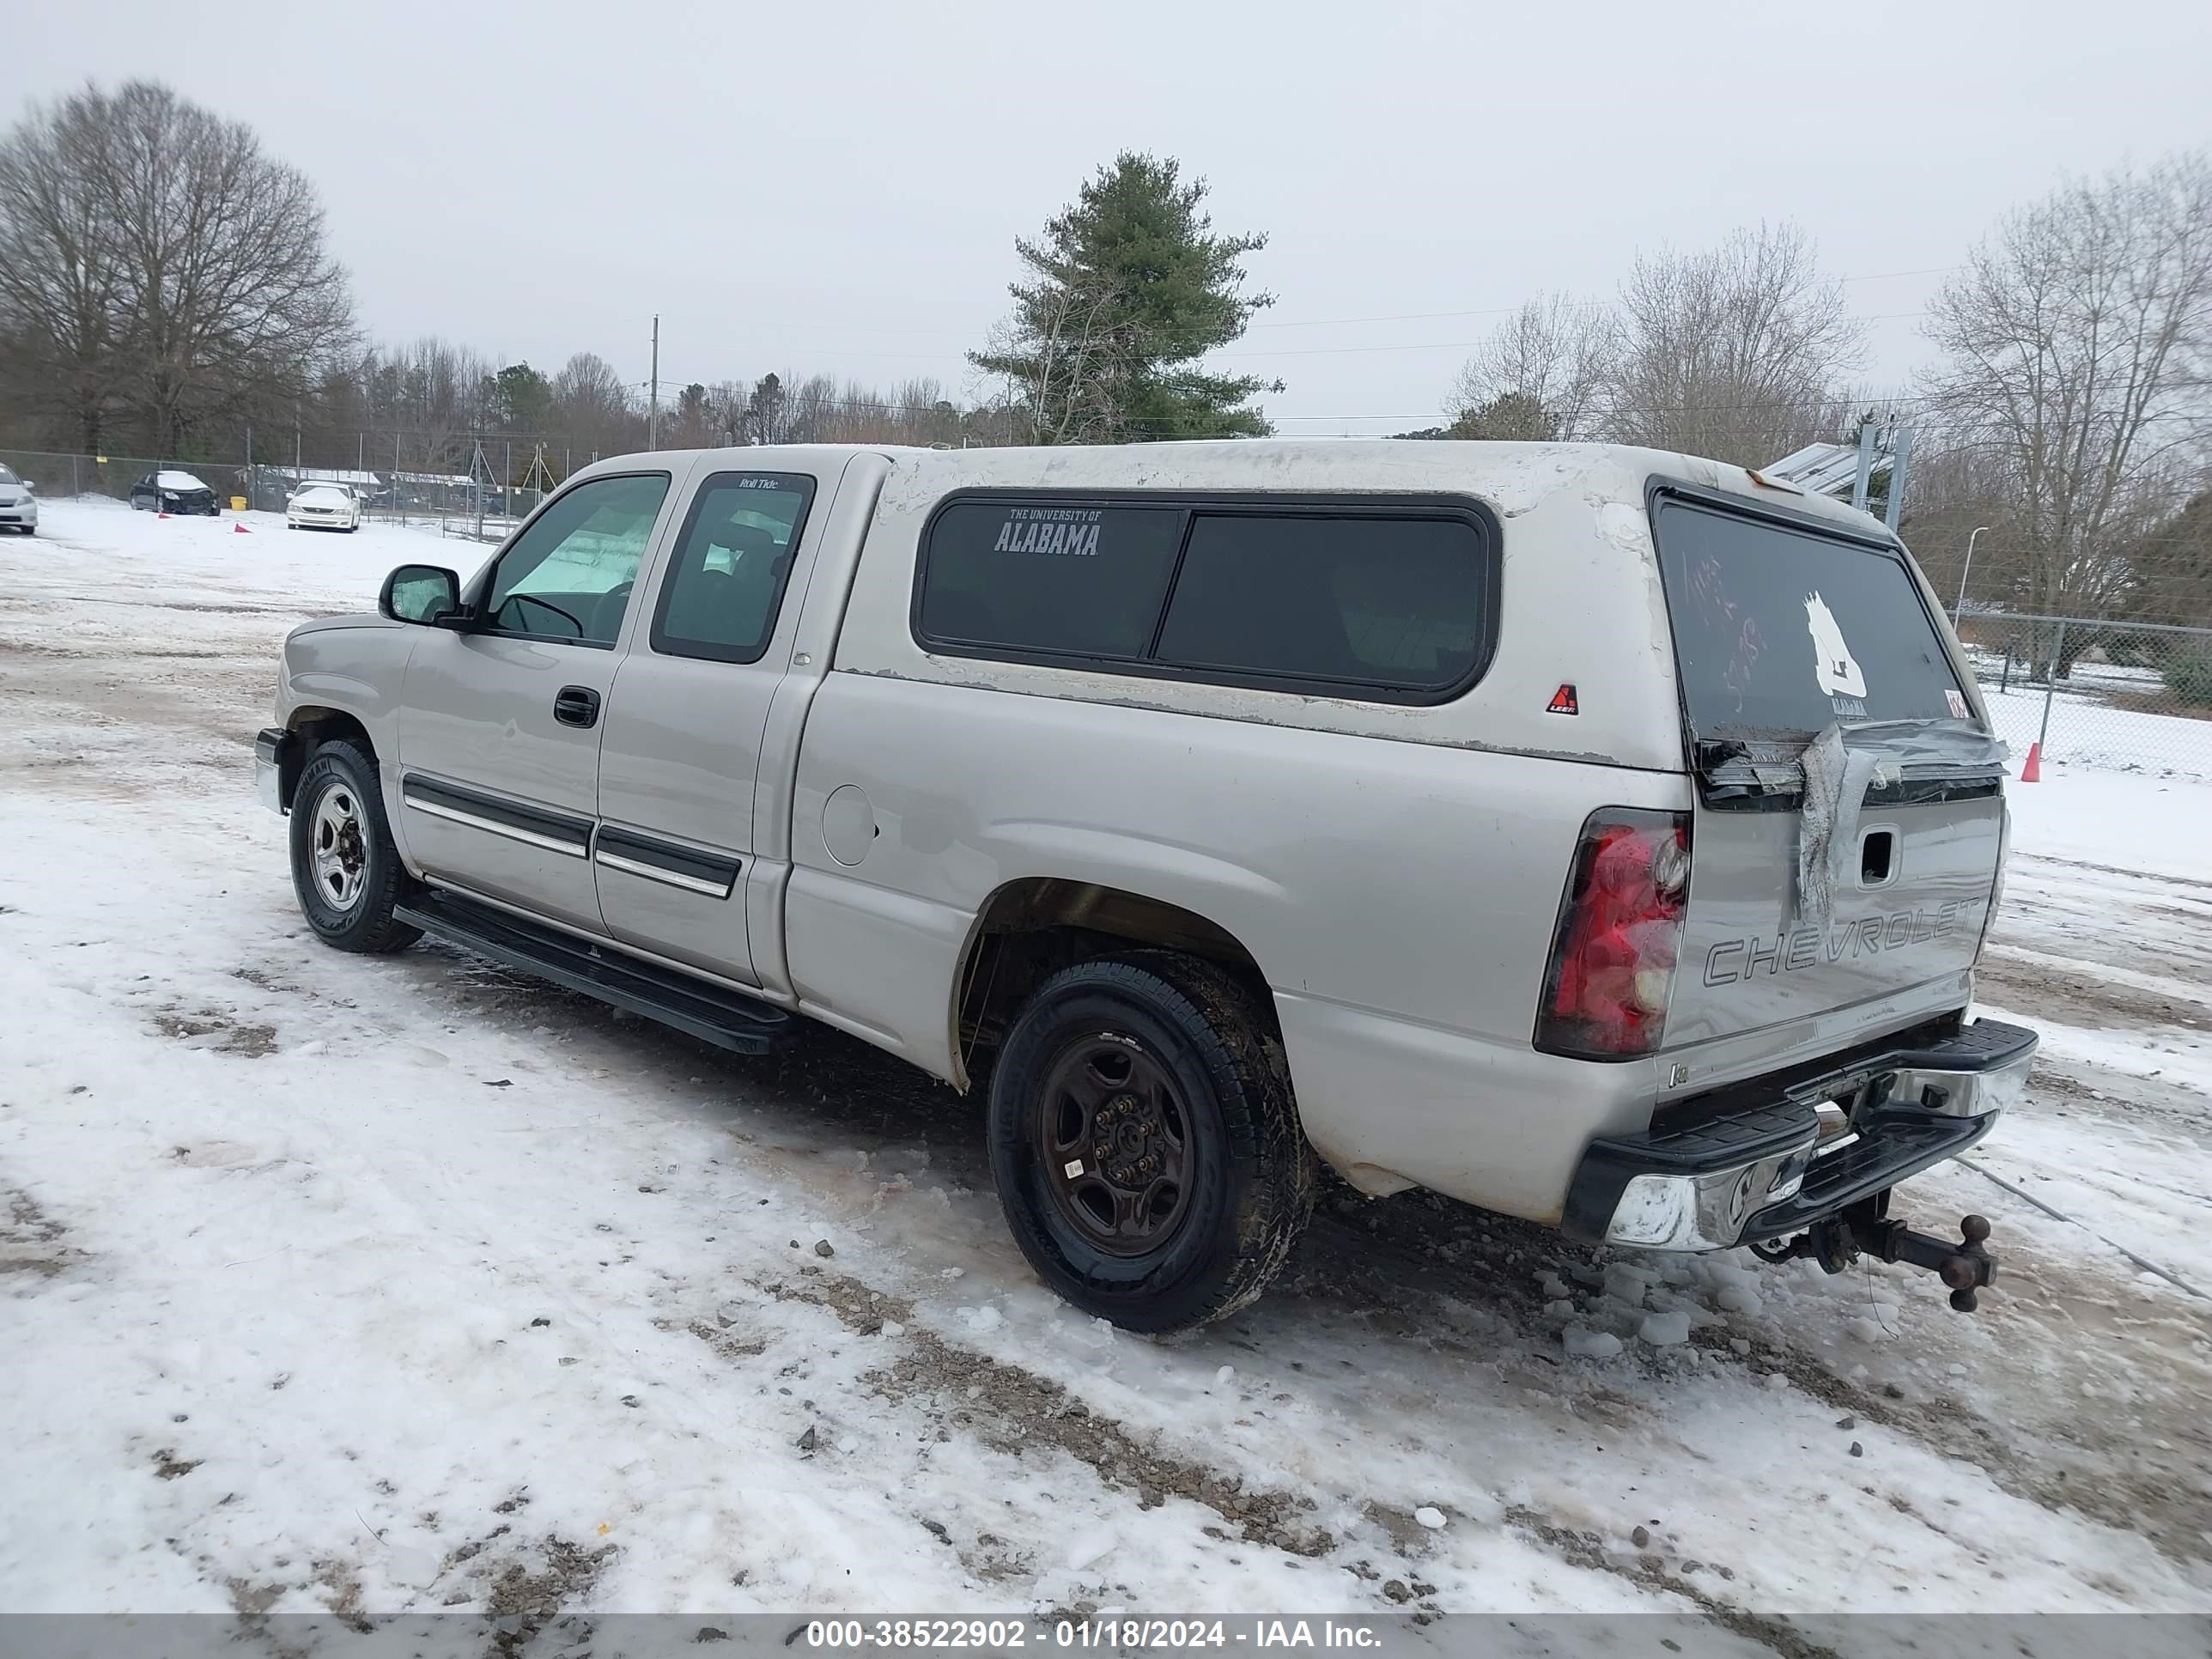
345,869
1144,1143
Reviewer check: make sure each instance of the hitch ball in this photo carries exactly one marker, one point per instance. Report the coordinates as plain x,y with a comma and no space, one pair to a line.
1970,1267
1966,1266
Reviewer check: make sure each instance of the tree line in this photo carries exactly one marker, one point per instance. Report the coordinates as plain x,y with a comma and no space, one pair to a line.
166,285
2065,416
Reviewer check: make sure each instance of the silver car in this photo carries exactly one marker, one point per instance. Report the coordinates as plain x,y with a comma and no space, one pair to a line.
1599,836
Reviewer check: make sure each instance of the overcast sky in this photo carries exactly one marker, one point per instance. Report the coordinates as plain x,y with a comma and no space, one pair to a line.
837,187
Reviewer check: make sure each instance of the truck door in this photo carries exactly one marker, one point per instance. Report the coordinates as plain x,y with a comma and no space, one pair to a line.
680,759
500,726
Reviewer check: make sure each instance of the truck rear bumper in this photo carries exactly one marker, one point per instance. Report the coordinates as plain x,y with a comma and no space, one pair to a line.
1777,1155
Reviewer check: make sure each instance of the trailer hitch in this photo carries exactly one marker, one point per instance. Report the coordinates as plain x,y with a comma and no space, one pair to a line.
1837,1242
1965,1266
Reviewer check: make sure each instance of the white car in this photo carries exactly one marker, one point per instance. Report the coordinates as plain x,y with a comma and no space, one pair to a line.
18,503
323,506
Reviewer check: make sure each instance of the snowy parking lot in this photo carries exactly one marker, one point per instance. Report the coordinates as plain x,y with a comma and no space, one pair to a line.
371,1284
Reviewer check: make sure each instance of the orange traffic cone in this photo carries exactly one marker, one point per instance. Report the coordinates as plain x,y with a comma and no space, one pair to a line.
240,530
2032,772
160,516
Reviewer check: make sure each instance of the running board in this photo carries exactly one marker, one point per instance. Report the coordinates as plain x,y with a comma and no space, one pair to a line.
726,1019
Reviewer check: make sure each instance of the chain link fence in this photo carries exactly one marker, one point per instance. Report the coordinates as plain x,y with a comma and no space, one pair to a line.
480,505
2112,695
2130,696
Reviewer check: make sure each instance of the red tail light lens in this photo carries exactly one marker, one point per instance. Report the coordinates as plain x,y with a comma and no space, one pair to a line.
1612,957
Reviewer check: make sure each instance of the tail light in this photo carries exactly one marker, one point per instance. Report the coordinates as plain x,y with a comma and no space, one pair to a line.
1612,957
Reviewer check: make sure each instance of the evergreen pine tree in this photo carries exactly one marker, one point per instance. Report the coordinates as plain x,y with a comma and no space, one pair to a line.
1131,287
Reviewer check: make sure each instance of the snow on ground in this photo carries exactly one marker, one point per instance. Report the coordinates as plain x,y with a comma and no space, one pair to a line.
405,1283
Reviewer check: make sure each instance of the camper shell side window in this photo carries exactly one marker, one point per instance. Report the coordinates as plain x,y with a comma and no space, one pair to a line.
1390,599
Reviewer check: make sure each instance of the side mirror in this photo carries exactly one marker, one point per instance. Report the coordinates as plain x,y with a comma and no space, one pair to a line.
421,593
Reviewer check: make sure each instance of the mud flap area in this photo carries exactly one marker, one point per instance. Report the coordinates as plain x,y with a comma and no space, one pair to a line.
1966,1265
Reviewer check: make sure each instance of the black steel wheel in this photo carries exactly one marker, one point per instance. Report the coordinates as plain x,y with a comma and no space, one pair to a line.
1116,1143
1145,1142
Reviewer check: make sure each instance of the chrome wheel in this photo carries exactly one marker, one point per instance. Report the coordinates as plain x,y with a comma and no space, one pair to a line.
339,848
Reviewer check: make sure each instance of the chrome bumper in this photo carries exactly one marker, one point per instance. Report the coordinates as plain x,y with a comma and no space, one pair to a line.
272,748
1770,1168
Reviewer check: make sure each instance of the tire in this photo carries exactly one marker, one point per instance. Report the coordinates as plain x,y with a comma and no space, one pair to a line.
1150,1038
346,871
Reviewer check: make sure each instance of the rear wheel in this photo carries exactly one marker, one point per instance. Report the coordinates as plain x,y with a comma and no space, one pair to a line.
1145,1142
345,869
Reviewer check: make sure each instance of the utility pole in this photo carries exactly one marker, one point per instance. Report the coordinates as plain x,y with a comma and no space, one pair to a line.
652,407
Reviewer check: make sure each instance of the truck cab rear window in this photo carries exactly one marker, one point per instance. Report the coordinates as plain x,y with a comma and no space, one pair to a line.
1782,632
1395,605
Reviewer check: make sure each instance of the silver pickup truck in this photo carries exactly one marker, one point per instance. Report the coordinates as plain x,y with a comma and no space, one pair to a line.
1602,836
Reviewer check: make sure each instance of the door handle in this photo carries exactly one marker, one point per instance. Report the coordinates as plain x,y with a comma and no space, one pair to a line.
576,705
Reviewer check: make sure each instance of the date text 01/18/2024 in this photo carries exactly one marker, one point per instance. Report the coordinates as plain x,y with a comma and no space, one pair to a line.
1098,1634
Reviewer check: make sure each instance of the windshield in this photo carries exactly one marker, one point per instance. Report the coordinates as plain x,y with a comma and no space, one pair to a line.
1783,632
7,476
324,496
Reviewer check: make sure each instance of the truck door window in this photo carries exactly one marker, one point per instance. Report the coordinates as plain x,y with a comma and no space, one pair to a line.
725,585
569,574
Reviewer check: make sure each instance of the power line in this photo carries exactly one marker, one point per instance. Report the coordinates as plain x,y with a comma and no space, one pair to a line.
1386,317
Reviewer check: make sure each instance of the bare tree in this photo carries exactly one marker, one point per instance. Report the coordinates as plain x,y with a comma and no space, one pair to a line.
1541,375
230,297
597,411
815,409
2077,344
1737,353
61,280
429,391
1068,362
